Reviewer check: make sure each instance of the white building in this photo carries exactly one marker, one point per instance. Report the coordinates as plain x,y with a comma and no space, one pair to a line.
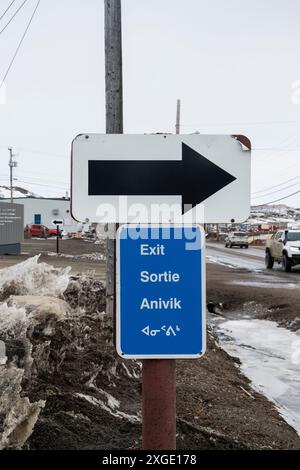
39,210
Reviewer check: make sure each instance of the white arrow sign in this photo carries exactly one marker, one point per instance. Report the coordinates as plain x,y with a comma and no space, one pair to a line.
160,178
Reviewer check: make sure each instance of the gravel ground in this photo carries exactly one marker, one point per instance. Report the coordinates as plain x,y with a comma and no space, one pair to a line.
76,393
82,256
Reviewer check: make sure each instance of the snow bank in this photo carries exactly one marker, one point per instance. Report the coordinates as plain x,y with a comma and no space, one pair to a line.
19,316
27,325
57,351
13,321
17,414
39,307
32,277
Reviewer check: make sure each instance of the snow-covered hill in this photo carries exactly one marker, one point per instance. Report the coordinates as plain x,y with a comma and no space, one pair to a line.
274,214
18,192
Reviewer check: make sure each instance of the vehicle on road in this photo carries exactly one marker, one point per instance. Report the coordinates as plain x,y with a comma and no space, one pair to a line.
237,239
284,248
41,231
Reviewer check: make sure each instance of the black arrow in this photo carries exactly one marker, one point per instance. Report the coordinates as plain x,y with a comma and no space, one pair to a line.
195,178
57,222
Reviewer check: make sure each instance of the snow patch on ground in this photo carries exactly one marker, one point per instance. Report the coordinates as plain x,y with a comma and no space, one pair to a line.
89,256
236,263
270,358
217,260
110,407
272,284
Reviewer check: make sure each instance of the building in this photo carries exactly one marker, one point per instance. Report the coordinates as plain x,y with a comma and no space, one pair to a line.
11,228
39,210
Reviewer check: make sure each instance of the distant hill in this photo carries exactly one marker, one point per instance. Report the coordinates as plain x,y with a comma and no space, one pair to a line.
18,192
274,213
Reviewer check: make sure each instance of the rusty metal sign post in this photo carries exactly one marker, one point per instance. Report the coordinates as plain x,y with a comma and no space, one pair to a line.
160,314
159,404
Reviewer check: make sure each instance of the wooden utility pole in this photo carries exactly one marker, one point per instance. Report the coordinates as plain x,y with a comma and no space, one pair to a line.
159,417
114,116
178,117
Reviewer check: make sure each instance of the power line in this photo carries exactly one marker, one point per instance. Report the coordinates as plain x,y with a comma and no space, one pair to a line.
15,14
36,179
42,184
277,149
51,179
277,200
19,45
3,14
239,123
41,152
277,191
275,185
278,154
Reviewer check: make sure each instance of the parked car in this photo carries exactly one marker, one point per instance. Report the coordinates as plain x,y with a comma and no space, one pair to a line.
237,239
283,247
41,231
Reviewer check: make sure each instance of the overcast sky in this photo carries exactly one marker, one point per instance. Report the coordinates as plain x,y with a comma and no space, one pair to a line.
232,63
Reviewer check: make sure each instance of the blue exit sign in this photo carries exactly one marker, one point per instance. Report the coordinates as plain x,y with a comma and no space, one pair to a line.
160,292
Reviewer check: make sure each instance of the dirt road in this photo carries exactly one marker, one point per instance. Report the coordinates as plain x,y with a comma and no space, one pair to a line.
82,255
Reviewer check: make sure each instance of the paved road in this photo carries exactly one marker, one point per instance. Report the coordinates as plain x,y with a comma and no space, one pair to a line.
253,260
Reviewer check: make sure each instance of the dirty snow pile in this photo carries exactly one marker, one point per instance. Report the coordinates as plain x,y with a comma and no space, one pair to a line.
31,277
59,376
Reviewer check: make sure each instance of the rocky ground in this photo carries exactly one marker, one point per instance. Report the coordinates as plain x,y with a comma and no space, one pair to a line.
62,385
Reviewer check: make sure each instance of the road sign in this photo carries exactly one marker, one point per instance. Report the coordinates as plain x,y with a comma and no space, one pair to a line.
160,178
160,292
57,222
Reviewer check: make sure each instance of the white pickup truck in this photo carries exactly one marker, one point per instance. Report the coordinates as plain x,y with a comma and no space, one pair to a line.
283,247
